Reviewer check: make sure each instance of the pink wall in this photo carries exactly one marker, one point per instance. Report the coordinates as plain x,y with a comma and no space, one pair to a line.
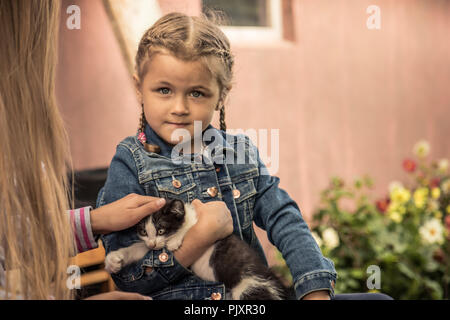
94,89
347,100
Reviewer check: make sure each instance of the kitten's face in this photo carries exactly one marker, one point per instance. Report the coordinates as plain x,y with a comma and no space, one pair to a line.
159,226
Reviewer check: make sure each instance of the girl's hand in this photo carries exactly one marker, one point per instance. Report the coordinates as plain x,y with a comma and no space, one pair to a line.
124,213
214,220
118,295
317,295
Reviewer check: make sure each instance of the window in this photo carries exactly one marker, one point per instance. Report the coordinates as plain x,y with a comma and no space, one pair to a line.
242,12
249,20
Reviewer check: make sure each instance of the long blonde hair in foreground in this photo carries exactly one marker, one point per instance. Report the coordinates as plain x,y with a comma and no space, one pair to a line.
34,230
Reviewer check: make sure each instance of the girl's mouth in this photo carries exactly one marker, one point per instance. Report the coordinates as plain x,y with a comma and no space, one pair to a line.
178,124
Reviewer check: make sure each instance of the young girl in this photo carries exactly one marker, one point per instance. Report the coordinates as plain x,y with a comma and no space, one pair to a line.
184,70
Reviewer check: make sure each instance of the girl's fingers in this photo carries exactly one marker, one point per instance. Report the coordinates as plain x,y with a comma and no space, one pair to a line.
142,200
150,207
196,203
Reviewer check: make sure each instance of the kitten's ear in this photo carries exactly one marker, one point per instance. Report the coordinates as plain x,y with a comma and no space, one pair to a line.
177,206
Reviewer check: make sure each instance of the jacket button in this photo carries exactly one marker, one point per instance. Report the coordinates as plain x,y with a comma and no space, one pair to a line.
176,183
216,296
236,193
163,257
212,191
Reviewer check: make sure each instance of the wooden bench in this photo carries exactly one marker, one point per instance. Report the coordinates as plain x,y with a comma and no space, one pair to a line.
94,258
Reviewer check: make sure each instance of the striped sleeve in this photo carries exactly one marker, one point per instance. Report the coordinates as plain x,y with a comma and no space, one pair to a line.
80,220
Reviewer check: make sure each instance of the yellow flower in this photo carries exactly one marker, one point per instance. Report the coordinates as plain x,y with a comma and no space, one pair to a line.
435,193
395,216
443,166
448,209
420,197
395,185
373,291
400,195
438,215
433,205
421,148
446,186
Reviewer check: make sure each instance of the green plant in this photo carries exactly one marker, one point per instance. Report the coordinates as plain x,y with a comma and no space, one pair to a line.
405,234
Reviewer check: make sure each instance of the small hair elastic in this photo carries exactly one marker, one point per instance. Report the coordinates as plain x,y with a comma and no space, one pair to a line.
142,138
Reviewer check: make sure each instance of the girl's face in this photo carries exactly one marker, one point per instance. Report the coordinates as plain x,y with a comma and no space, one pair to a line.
175,93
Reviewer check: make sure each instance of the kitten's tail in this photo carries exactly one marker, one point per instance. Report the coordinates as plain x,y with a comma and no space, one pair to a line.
262,288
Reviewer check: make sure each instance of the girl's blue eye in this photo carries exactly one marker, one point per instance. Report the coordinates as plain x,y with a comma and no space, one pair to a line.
197,94
164,90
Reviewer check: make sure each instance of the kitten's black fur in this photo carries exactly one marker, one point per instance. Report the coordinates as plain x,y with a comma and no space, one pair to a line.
232,260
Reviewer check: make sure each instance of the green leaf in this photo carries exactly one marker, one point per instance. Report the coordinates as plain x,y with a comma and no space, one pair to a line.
435,287
407,271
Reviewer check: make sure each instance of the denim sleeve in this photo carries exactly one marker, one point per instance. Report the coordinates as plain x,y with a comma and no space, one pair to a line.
122,180
279,215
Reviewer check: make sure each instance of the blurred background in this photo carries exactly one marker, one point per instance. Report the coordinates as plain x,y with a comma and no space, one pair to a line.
348,99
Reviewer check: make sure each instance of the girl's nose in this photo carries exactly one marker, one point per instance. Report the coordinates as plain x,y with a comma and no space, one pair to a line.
180,107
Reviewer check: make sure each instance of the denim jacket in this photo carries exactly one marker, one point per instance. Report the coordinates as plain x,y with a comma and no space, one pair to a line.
258,200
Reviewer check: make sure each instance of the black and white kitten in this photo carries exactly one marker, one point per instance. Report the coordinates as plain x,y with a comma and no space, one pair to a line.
230,260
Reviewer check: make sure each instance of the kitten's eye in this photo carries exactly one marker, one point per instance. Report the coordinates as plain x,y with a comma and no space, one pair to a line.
142,232
161,231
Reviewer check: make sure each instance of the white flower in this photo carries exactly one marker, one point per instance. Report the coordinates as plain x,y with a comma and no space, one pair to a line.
330,238
421,148
395,185
432,232
317,238
443,166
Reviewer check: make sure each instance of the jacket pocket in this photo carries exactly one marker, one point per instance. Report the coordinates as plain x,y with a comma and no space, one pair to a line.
174,186
244,193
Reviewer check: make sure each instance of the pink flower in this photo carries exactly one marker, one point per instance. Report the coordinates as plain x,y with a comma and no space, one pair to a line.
409,165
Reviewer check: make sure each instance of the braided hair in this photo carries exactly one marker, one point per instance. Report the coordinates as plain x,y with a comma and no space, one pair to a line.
142,123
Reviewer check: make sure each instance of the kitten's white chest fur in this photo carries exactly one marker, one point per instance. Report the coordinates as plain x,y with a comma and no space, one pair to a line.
202,266
190,218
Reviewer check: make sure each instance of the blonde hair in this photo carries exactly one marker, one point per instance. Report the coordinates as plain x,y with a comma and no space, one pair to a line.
34,229
190,38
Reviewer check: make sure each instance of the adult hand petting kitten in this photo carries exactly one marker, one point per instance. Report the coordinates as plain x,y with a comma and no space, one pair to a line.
124,213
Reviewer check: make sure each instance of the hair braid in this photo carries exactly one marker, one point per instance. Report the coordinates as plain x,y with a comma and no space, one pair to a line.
223,125
142,123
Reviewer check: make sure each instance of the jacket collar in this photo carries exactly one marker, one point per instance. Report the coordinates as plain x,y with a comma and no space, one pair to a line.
210,147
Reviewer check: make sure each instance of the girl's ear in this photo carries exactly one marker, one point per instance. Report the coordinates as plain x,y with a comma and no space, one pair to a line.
137,87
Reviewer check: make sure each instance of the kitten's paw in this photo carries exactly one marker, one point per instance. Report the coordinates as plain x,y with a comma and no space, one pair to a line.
114,262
